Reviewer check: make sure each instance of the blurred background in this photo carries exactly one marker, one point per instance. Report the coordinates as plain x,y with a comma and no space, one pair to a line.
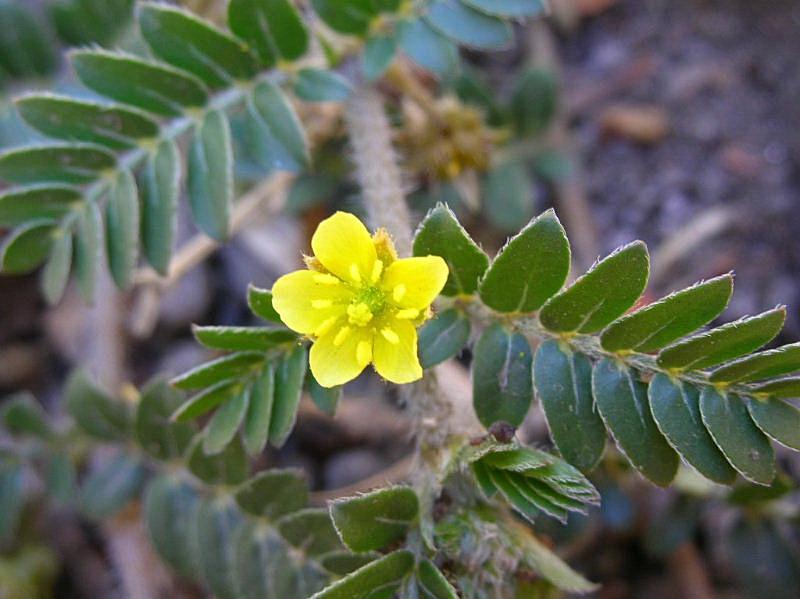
675,122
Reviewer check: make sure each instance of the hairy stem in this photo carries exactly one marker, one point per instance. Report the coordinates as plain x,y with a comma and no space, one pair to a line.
376,166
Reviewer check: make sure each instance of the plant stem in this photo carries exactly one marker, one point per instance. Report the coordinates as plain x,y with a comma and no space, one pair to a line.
376,166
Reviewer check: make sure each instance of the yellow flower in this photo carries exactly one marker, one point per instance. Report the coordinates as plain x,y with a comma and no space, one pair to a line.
359,303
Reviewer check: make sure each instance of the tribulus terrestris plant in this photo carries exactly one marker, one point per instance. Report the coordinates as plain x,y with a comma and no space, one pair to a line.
195,111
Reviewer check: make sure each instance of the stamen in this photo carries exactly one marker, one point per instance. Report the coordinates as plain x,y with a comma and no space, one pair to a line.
390,336
354,274
407,314
326,326
377,269
399,292
341,336
321,304
363,353
325,279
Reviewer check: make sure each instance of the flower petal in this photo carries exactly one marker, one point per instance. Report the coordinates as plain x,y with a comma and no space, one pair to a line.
415,282
341,241
395,352
306,300
334,364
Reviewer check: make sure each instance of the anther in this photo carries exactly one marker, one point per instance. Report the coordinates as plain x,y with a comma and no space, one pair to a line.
325,279
377,269
341,336
407,314
363,353
399,292
390,336
325,326
354,274
359,314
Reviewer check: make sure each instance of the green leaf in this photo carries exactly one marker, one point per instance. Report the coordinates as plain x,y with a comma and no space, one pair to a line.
156,433
60,477
206,400
724,343
325,398
443,337
510,488
88,241
210,176
226,367
19,205
749,495
128,79
549,566
467,26
289,377
272,28
676,409
68,118
780,388
264,567
12,496
109,488
273,493
530,268
318,85
427,47
170,506
192,44
662,322
379,52
745,447
508,8
161,181
259,413
312,530
601,295
27,246
622,401
346,16
534,101
778,419
432,583
242,338
217,520
277,121
374,520
84,22
501,376
23,416
440,234
55,274
98,414
25,46
509,196
66,163
226,468
223,425
260,303
762,365
344,562
384,575
122,229
563,381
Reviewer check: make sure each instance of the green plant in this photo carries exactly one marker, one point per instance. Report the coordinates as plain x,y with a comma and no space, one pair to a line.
664,387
